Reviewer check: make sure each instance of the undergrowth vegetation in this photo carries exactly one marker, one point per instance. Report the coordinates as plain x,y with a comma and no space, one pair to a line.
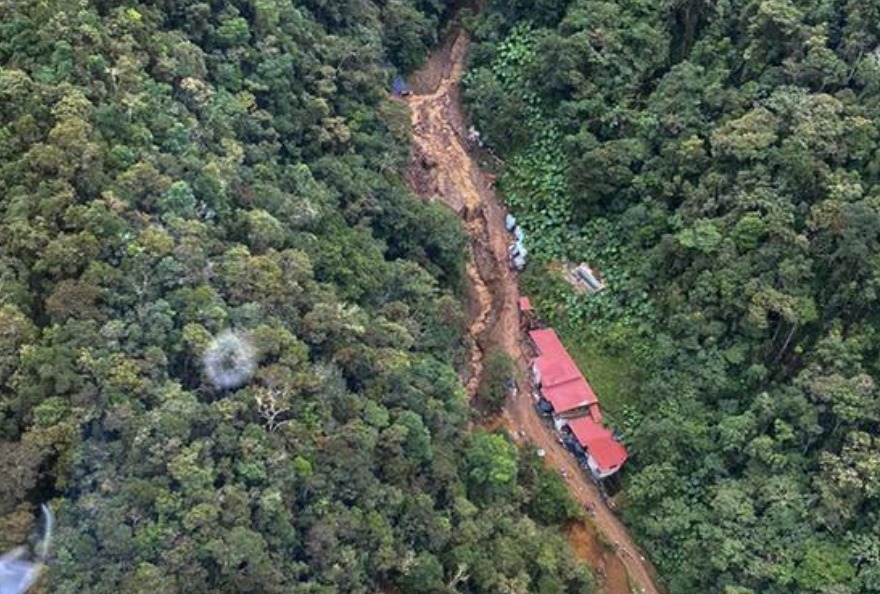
227,330
718,164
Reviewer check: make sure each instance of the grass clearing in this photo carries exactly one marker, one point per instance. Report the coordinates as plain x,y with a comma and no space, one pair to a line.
610,375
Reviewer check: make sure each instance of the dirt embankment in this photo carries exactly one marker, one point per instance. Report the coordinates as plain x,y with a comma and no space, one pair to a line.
441,167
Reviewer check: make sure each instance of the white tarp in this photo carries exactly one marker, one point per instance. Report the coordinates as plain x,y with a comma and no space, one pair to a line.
18,571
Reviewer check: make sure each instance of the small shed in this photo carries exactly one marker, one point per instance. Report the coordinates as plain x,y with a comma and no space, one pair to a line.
605,455
525,305
590,278
399,87
583,277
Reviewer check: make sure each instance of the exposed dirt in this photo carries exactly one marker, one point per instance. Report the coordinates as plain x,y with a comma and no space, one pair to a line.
525,424
427,80
441,167
609,570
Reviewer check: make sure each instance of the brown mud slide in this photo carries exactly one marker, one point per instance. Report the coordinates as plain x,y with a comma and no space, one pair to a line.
441,167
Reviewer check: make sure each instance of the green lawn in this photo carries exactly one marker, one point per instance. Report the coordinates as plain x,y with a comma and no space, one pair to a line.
610,375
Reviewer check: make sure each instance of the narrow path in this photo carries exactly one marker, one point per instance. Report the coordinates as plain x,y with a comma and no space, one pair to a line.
442,168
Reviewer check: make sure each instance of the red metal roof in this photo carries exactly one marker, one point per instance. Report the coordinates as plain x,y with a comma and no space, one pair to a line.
599,443
561,381
545,340
524,304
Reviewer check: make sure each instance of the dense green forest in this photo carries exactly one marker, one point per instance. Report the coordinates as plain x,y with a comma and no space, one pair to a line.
174,169
718,161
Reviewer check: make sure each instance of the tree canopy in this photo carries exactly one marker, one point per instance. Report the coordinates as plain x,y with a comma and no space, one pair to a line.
227,331
718,163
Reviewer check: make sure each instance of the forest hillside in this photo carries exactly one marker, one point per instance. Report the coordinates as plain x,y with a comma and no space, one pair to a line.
228,333
718,163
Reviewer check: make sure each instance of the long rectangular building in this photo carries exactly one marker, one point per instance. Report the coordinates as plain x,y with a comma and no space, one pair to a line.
574,404
561,382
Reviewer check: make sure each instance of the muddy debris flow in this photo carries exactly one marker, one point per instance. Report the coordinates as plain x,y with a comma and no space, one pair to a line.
441,167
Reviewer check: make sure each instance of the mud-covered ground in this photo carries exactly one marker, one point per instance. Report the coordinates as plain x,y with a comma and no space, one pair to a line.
441,167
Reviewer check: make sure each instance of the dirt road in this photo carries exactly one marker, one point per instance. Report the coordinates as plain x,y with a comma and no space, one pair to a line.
441,167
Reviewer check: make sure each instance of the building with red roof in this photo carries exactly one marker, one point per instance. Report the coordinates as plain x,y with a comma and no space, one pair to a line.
559,379
574,405
605,455
527,318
